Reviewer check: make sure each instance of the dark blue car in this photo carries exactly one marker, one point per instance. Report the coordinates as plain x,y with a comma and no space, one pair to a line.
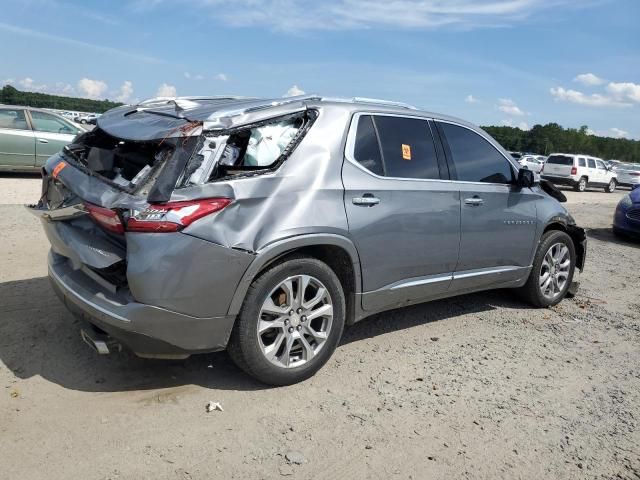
626,220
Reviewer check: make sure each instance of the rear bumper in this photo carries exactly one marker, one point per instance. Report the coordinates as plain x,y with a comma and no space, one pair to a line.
146,329
560,180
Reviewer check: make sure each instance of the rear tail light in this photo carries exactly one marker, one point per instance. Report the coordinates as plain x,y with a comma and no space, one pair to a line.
105,217
574,170
634,174
173,216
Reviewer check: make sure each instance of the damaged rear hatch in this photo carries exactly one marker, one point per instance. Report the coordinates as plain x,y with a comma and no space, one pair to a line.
120,177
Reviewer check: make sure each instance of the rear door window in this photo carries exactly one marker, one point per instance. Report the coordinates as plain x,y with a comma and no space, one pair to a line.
592,163
407,147
14,119
367,150
582,162
474,158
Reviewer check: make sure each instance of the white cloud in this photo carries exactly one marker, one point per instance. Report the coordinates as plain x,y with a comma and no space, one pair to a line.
92,88
189,76
523,126
294,91
509,107
593,100
624,91
296,15
588,79
619,133
125,92
222,77
471,99
166,90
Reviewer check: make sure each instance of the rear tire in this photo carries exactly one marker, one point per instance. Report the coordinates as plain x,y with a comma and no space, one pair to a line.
289,347
612,186
537,291
581,186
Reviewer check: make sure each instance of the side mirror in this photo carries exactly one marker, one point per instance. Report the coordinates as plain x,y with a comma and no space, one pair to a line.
526,178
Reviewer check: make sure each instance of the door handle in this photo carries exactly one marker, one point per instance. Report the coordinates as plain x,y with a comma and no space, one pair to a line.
367,200
43,140
474,201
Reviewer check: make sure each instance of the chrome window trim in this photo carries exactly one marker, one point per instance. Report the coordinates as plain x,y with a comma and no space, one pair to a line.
351,141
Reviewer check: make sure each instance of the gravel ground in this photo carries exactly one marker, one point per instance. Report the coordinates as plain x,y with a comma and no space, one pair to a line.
479,386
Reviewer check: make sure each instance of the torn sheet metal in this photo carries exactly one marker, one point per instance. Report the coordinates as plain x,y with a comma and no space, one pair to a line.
153,121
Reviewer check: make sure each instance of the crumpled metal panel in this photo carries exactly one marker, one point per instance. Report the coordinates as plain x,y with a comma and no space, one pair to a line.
144,123
303,196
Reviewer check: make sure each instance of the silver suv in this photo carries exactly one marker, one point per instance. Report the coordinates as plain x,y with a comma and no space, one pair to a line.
266,226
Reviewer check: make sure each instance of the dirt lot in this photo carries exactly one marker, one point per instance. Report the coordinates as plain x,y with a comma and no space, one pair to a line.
479,386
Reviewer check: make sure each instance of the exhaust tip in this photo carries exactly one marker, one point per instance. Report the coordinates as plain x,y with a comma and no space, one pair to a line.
98,342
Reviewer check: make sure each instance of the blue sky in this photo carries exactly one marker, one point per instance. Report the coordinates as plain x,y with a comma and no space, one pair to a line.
518,62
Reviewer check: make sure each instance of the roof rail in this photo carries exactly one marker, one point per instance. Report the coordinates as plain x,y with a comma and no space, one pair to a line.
377,101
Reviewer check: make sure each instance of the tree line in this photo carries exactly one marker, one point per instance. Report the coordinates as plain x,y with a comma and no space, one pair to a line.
541,139
12,96
552,138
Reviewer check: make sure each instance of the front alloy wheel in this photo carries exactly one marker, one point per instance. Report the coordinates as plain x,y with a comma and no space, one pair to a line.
554,271
295,321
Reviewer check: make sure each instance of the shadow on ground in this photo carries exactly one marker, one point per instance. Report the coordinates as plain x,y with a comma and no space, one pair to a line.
30,175
607,235
38,337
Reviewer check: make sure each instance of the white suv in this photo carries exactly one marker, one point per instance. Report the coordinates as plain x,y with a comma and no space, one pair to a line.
579,171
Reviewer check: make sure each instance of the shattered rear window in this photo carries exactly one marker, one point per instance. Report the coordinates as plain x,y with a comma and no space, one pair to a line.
246,150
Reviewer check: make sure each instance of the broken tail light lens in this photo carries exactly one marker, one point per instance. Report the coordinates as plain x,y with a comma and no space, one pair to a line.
105,217
173,216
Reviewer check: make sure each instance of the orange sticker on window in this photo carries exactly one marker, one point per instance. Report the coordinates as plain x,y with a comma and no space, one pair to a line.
58,169
406,152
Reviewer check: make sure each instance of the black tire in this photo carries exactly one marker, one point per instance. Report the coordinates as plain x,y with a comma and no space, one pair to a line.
244,347
531,290
581,186
612,186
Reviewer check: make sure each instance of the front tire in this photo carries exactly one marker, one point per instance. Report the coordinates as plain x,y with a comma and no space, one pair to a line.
290,323
612,186
552,272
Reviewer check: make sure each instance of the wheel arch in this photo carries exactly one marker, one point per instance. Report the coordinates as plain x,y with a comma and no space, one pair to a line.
338,252
577,234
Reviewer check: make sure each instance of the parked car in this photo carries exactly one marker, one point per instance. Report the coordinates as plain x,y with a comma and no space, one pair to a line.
89,118
29,136
579,172
515,155
254,226
626,220
532,162
628,174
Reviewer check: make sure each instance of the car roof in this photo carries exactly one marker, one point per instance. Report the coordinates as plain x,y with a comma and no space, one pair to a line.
202,108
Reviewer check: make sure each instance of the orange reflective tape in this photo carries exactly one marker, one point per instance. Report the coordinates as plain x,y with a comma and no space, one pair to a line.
58,169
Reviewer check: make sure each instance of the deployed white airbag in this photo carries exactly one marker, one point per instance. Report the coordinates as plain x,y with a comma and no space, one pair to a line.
267,143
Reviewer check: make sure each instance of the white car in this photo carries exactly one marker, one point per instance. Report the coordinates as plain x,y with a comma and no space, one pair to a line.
532,162
579,171
628,174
